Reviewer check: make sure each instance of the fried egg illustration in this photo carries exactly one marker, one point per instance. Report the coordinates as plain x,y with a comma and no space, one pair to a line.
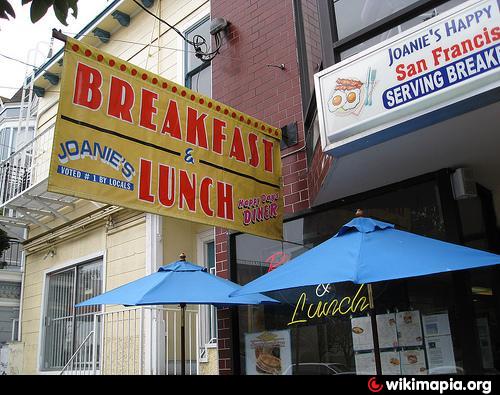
346,96
337,100
352,99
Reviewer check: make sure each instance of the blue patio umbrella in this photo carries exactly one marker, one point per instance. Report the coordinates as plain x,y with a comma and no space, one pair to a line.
180,283
366,251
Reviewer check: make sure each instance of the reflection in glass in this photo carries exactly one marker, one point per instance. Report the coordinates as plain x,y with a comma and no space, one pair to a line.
396,30
354,15
322,337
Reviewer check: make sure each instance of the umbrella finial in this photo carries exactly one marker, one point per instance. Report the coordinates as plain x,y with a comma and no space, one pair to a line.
359,213
182,257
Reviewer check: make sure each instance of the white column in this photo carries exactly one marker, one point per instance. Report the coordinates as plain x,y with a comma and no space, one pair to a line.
154,345
21,301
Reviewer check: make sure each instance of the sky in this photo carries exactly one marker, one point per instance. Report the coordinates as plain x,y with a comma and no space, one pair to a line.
28,42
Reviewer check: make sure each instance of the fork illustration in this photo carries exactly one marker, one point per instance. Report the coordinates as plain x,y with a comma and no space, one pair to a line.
368,84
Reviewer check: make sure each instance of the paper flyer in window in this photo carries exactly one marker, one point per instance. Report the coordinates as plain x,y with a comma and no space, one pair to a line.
413,362
436,324
365,363
387,331
409,328
390,362
440,354
268,352
362,335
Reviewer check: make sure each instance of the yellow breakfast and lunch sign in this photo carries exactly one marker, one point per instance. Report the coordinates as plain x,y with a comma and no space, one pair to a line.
128,137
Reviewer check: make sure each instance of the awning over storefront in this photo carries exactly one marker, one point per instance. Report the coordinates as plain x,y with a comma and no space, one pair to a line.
469,140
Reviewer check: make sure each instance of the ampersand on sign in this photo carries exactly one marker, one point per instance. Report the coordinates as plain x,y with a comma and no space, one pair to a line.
189,157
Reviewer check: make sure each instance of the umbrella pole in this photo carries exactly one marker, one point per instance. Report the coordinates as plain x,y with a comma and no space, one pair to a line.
297,355
378,364
183,339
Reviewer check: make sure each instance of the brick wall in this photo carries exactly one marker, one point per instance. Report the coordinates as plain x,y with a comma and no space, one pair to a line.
261,33
312,37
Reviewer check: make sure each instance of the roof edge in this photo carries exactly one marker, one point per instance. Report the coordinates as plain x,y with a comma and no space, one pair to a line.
81,33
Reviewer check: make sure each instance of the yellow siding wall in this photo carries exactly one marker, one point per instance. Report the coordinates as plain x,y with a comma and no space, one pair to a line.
47,109
36,267
180,236
123,248
144,28
132,44
126,253
124,243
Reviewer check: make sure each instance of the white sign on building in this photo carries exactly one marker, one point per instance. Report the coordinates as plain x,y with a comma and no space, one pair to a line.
378,94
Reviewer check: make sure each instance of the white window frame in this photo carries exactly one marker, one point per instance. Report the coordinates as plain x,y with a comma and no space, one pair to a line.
202,239
189,74
15,330
181,50
45,294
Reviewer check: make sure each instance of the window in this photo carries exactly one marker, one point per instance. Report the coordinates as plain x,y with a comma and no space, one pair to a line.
431,13
208,313
324,345
7,141
354,15
10,113
66,327
211,310
198,74
15,328
9,293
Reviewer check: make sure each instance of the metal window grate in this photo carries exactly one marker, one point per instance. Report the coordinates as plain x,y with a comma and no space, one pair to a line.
11,257
65,326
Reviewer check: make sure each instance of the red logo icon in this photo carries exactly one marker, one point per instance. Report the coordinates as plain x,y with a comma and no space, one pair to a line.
373,386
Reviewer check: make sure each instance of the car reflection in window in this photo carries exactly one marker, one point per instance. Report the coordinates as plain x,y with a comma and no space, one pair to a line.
317,368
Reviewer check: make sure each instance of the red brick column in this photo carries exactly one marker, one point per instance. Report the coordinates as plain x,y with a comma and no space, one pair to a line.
224,329
261,34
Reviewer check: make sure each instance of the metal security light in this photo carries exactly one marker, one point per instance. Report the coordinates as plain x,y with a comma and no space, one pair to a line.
218,25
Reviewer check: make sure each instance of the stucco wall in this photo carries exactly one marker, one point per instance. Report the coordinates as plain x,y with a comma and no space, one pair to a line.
211,367
16,355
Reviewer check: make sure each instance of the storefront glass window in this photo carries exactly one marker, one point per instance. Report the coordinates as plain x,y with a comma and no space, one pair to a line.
420,320
391,32
354,15
485,292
